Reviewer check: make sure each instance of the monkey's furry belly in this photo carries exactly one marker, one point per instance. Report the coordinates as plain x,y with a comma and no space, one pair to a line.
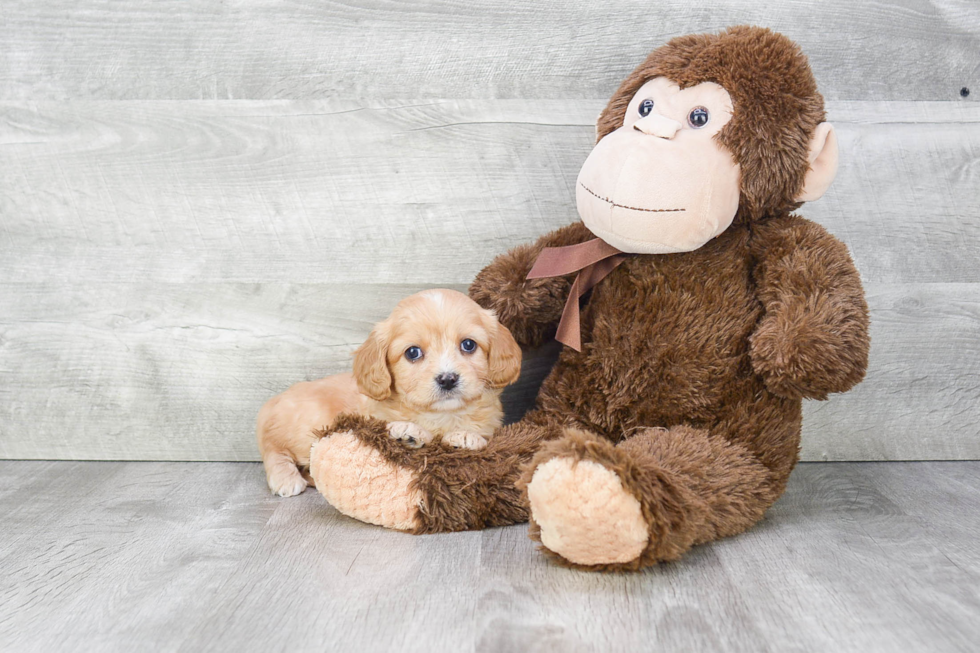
665,341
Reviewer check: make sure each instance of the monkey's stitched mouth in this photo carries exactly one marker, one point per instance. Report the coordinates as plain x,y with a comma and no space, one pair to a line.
623,206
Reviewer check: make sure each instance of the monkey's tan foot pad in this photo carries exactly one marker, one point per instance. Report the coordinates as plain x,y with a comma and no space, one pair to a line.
584,513
360,482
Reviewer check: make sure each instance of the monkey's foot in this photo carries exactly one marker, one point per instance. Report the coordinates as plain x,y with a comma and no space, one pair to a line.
583,508
360,482
366,474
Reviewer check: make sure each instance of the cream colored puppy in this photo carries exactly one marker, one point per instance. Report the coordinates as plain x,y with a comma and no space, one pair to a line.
434,368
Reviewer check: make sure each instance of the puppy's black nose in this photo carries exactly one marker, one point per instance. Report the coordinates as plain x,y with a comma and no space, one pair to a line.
447,380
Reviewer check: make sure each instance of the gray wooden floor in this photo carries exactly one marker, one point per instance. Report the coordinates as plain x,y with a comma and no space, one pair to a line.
198,556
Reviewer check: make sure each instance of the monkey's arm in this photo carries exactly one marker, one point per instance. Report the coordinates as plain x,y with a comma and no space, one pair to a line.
813,338
530,308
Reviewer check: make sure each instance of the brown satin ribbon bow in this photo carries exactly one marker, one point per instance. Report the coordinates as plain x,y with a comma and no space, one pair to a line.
595,258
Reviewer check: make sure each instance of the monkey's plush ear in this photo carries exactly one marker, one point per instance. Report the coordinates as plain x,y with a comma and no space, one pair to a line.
371,364
823,163
504,357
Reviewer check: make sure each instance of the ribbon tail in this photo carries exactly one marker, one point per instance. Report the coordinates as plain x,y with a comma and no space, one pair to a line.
569,327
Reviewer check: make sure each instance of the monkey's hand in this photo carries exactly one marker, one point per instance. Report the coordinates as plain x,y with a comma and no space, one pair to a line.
529,308
813,338
810,348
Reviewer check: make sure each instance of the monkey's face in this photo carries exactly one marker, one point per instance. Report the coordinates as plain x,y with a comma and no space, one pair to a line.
662,182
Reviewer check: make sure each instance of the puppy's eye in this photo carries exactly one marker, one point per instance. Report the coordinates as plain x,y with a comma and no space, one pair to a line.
645,107
468,346
413,353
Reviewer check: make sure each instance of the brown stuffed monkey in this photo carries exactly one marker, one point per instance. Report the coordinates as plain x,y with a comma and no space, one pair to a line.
709,311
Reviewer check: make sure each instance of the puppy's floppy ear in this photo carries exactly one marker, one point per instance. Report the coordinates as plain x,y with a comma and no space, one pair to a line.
504,358
371,364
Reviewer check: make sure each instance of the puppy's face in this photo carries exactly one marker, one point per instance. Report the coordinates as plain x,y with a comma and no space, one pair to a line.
437,351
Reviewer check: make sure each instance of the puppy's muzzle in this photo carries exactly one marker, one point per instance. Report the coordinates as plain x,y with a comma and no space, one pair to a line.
447,381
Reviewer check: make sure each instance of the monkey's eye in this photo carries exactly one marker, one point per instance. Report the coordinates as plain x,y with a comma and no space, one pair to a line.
413,353
645,107
698,117
468,346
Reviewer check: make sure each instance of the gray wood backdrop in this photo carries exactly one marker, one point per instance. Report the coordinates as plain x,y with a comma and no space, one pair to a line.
201,203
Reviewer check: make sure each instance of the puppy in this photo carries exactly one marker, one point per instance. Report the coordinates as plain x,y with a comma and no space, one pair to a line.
434,368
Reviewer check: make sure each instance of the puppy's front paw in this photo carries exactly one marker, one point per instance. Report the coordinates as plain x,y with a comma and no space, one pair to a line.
286,481
410,434
464,440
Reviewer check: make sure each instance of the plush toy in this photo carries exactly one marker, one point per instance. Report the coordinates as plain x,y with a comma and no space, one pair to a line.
673,414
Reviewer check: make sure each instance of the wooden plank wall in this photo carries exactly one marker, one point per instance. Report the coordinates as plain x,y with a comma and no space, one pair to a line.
201,203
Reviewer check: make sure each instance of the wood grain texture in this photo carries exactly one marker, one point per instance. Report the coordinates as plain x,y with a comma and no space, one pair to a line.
150,371
921,397
105,557
195,557
133,49
424,193
167,266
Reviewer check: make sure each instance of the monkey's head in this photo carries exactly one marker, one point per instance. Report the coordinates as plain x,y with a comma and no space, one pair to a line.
711,129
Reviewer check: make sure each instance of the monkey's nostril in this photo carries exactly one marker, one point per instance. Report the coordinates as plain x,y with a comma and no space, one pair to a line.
447,380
